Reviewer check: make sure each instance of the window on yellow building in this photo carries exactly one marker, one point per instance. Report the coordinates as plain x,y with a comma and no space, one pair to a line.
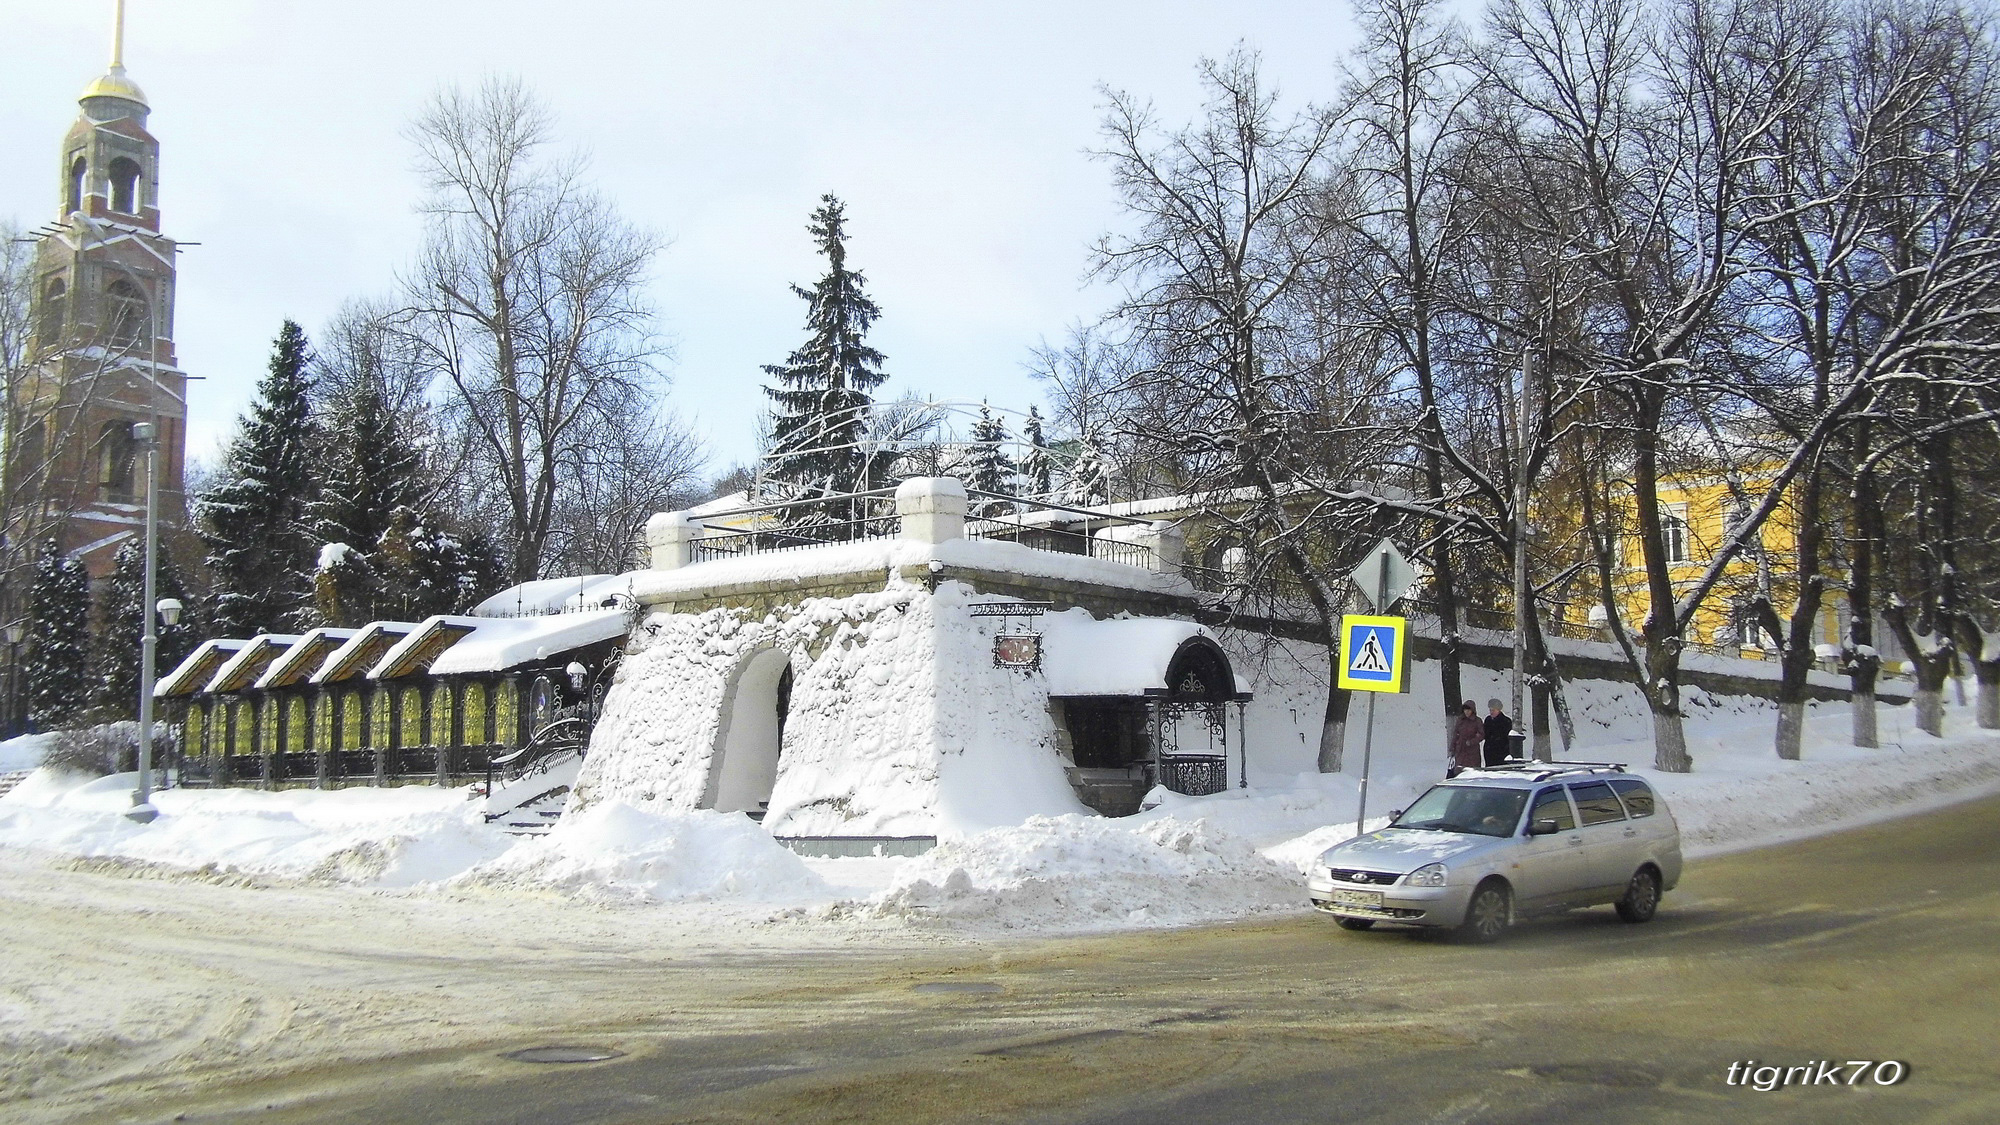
1674,531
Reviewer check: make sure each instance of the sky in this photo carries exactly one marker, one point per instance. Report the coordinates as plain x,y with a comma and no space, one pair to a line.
956,132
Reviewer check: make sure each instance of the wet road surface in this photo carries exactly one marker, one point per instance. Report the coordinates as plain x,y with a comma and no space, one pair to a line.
1876,944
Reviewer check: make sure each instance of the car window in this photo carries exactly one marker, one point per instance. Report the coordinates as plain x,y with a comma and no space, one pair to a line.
1596,804
1638,798
1480,810
1553,804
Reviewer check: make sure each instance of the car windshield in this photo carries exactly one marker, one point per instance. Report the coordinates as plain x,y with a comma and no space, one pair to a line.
1475,809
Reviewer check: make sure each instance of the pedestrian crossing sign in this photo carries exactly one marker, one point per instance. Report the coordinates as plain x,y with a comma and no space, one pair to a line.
1371,653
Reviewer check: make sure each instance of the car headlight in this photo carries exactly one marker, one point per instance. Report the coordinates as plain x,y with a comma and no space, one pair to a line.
1429,875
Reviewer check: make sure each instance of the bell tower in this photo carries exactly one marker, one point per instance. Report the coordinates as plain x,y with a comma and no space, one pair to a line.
102,348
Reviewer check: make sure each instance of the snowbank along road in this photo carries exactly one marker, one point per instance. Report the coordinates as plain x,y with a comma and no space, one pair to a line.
325,1006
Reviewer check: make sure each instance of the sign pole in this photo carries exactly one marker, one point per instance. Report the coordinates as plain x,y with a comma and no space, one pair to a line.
1368,734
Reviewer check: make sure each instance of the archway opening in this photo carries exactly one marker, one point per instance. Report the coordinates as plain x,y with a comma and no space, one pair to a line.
754,713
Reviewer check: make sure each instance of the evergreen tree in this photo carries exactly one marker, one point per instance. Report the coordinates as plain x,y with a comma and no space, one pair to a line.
346,588
1037,468
1089,474
989,469
254,523
369,469
822,388
57,669
121,623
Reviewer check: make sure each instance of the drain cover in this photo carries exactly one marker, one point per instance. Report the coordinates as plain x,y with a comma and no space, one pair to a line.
563,1054
957,986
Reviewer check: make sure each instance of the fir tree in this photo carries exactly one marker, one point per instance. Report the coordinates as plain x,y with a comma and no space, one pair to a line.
254,521
1089,474
822,388
989,469
1037,469
370,468
57,669
121,623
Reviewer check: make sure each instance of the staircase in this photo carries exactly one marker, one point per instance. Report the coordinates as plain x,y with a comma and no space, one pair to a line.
528,802
9,780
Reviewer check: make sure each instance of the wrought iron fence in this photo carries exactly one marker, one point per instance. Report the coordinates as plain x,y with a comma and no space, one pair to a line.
1194,775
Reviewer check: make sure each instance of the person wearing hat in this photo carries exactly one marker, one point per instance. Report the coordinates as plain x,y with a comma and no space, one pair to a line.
1496,729
1466,736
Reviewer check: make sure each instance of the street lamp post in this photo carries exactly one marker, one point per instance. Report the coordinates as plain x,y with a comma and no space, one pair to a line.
146,434
15,632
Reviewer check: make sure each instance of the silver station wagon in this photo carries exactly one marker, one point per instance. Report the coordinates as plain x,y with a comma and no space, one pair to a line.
1523,837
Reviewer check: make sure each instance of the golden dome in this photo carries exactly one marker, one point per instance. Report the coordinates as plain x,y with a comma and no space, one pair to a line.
114,84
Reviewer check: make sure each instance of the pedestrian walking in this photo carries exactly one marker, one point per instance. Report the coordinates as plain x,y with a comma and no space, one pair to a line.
1467,733
1496,728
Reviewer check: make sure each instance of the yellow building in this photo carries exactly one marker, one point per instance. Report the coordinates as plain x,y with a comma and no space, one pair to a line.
1698,513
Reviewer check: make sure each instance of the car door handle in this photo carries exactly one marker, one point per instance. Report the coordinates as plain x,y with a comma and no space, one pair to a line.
1631,832
1576,841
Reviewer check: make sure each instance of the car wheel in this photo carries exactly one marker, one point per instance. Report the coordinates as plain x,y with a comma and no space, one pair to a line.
1489,913
1642,896
1355,923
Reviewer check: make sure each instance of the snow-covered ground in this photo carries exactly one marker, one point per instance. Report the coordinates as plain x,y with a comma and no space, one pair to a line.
1189,860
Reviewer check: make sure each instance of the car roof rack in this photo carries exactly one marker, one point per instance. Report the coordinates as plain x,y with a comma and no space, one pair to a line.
1539,771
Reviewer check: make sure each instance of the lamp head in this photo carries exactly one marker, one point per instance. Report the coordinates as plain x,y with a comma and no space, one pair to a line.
142,432
16,631
577,674
170,610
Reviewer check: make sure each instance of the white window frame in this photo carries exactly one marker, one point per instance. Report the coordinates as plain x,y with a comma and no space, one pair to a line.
1675,540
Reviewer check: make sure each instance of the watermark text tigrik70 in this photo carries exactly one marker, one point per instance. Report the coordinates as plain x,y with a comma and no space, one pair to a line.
1765,1078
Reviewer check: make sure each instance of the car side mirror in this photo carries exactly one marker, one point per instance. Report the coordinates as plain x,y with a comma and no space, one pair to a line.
1395,814
1543,827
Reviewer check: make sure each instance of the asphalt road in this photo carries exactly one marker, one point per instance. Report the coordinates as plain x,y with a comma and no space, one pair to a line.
1876,944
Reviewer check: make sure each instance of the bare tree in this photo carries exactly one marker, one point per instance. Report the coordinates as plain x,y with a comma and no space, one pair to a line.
528,301
1878,257
1229,248
633,466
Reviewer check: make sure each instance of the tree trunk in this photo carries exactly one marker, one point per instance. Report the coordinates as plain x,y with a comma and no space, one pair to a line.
1333,730
1670,752
1663,699
1795,665
1988,674
1928,699
1861,677
1791,726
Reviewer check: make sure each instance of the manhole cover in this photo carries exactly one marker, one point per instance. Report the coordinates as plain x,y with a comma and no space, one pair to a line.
957,986
1600,1073
563,1054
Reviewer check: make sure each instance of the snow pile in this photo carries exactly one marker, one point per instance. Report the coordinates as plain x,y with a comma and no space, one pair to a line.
614,854
1741,795
1064,872
361,837
25,752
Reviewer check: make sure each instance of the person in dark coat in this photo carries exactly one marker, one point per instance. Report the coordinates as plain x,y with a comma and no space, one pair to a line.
1466,735
1496,729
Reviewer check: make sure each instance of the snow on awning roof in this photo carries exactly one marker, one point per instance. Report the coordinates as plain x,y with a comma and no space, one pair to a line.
1127,656
361,650
497,644
552,595
414,653
192,674
241,670
304,658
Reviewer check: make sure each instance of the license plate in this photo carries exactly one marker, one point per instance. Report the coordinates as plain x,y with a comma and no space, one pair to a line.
1358,898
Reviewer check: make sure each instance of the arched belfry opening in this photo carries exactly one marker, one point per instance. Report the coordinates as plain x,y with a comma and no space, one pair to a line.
125,174
751,736
74,185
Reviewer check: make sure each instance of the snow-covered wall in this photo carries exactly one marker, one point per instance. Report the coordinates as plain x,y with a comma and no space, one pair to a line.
898,724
